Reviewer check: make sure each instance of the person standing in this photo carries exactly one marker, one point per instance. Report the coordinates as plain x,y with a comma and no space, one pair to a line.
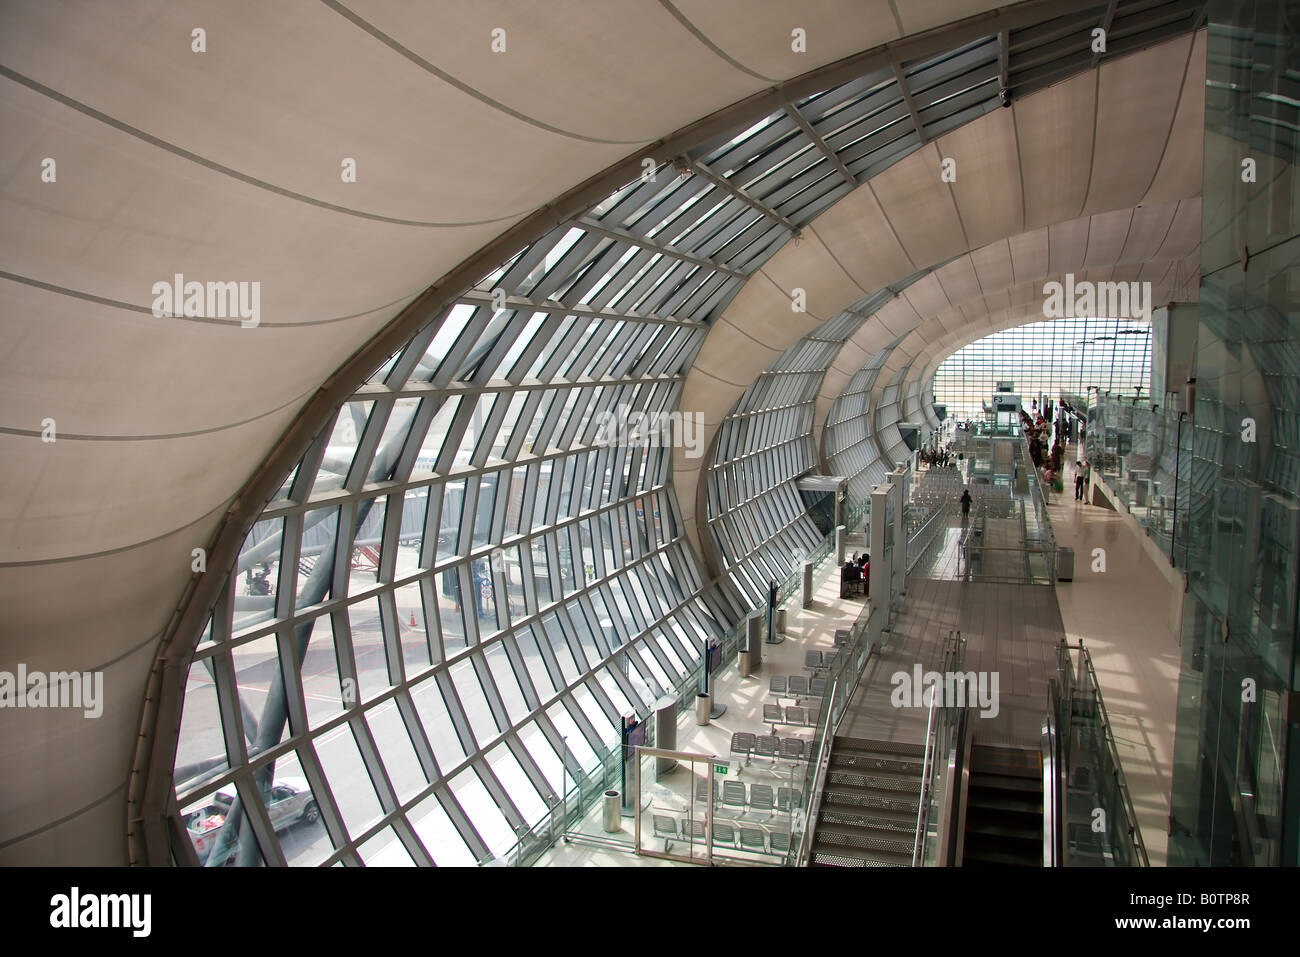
965,505
1078,481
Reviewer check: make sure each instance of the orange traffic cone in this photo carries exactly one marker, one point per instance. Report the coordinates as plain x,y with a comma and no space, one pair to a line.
412,619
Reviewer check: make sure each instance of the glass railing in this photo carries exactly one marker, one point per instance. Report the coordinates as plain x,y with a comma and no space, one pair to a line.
1093,759
941,740
1135,450
923,542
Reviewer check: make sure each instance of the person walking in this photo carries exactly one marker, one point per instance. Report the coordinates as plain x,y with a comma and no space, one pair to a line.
1078,481
965,505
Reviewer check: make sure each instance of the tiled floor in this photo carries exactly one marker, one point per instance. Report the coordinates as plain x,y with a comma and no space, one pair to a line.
1122,617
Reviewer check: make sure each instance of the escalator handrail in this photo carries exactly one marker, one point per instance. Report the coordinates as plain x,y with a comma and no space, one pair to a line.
922,815
952,814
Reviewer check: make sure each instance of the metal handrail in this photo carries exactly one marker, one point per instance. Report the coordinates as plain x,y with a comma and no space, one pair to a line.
823,762
1052,825
922,816
1136,833
950,815
929,528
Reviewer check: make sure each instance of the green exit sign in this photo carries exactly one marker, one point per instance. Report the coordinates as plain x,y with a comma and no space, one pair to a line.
720,769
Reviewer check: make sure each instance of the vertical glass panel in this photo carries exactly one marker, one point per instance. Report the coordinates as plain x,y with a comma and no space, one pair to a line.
507,684
257,674
295,814
342,447
436,436
521,790
315,555
394,744
483,811
439,836
385,850
453,501
473,699
256,574
201,748
323,689
368,648
349,780
367,543
437,724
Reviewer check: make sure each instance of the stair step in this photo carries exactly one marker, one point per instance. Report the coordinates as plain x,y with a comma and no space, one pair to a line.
1004,831
1000,860
865,745
859,760
878,769
874,780
838,857
1003,803
881,819
1014,761
903,815
1005,782
848,793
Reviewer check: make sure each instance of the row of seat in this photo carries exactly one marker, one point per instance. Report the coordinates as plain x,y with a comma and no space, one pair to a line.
796,686
745,838
747,745
796,715
760,797
815,660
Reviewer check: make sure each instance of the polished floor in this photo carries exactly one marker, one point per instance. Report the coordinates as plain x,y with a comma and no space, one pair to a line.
1121,615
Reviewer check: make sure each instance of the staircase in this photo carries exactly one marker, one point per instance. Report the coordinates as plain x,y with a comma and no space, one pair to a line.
869,804
1004,808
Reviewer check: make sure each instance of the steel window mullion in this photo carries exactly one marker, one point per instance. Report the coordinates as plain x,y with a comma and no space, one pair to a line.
491,426
579,717
461,348
483,769
520,669
573,259
490,691
603,700
462,823
531,770
374,764
456,711
419,738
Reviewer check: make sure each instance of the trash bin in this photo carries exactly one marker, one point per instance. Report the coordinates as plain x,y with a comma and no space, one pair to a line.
779,625
1065,564
702,707
613,812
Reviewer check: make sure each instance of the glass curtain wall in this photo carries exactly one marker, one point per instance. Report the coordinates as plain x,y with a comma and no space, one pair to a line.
1237,756
1051,357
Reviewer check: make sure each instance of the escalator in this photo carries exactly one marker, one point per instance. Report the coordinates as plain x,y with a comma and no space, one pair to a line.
1004,808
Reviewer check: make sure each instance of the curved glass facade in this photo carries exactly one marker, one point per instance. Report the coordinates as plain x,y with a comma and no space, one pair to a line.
479,565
